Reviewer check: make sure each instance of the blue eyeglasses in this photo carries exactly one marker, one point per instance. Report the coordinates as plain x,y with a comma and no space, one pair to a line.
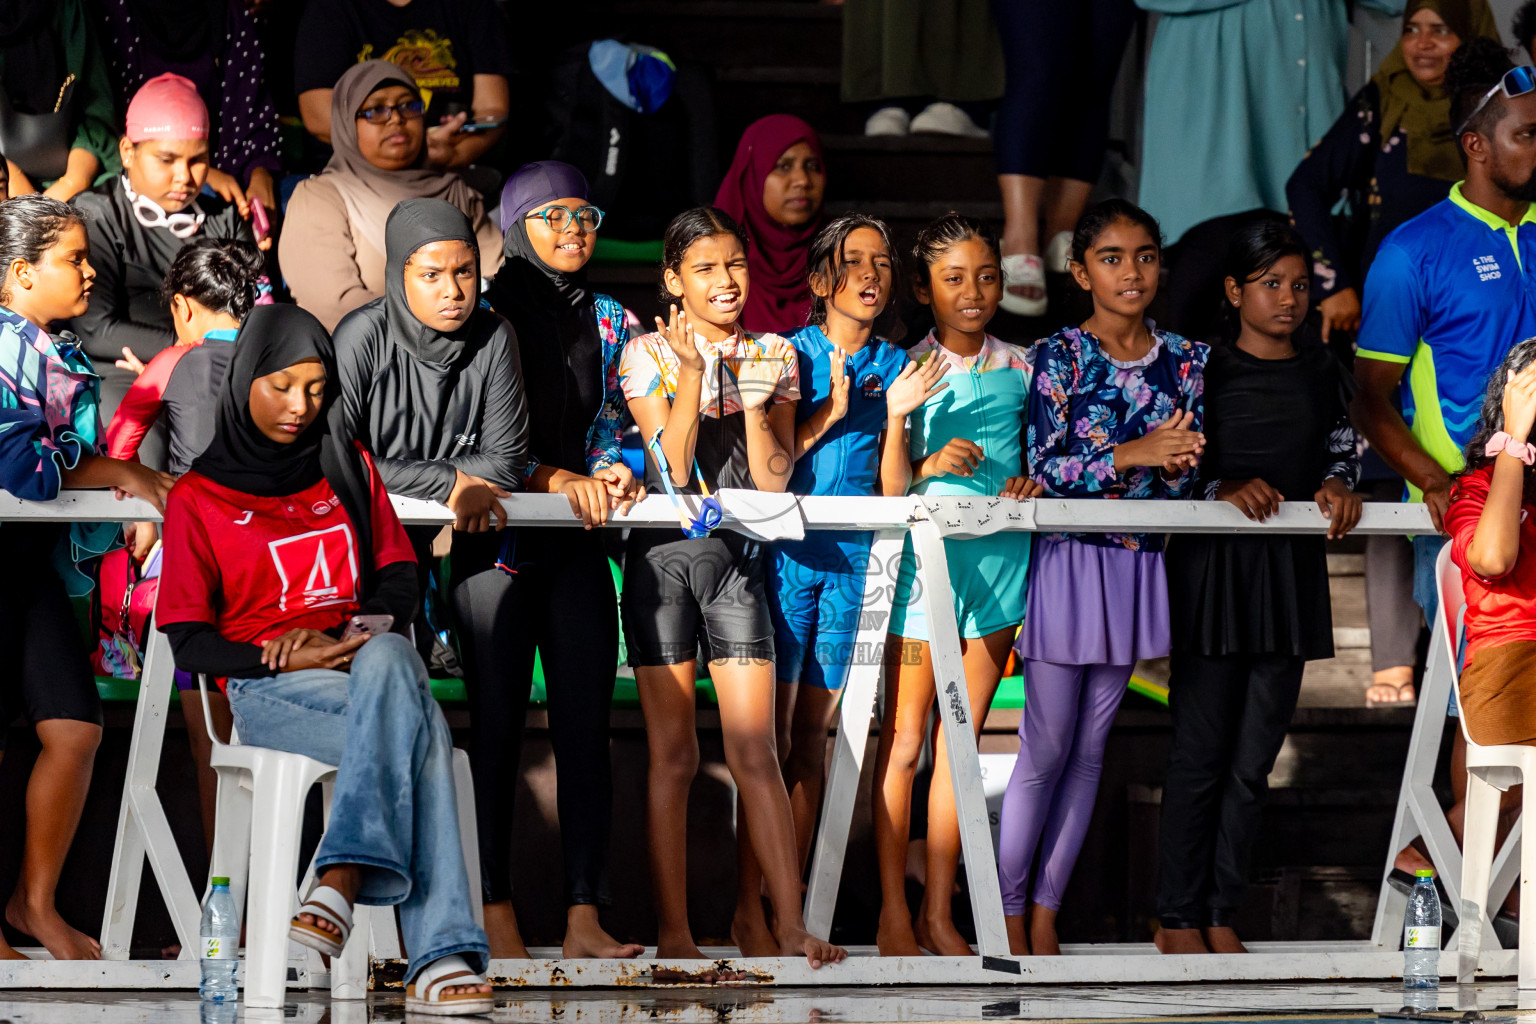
1518,81
710,514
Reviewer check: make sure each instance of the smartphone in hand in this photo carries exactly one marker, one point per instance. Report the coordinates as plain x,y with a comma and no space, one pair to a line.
368,625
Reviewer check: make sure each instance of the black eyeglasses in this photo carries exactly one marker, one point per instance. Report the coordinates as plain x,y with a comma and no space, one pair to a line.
1517,81
588,218
410,110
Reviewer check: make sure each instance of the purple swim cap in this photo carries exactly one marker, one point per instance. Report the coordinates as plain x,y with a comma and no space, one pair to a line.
533,185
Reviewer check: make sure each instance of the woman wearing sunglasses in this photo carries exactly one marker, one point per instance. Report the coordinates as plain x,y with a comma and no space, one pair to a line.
558,584
332,247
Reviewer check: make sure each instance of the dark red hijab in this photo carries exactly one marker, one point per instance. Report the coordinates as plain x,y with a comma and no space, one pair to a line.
779,296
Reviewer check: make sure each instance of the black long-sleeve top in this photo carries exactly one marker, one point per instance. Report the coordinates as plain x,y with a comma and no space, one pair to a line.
424,420
1353,162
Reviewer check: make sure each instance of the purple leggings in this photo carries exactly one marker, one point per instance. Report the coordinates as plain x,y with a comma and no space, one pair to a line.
1068,710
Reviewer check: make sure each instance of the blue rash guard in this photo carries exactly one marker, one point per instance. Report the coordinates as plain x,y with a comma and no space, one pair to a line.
816,585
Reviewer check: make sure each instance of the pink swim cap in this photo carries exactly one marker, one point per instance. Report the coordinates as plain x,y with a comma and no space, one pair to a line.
167,107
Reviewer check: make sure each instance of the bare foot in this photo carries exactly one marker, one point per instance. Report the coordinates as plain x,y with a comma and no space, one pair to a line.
1018,940
45,925
501,932
7,953
1391,686
1224,940
585,938
678,947
799,942
1179,940
1042,931
941,937
895,937
752,935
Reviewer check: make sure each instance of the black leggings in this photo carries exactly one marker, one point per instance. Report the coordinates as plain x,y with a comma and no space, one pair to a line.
560,602
45,673
1061,58
1230,715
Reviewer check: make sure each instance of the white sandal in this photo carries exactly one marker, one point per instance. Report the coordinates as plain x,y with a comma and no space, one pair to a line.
435,977
1023,270
326,903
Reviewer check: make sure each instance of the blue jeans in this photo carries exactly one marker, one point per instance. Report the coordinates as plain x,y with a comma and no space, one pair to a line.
1426,591
393,810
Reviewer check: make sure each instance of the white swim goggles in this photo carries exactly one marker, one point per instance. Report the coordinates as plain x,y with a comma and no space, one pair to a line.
152,215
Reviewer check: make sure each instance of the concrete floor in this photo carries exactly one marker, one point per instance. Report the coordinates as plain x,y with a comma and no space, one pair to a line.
1290,1002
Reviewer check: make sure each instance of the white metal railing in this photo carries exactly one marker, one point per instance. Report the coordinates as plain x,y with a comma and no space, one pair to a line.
144,833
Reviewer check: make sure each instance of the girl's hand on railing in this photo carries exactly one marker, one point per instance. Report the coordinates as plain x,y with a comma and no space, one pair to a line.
623,489
1255,498
137,481
588,498
1021,488
1339,505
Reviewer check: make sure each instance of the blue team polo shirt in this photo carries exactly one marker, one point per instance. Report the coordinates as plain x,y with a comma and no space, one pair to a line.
1448,294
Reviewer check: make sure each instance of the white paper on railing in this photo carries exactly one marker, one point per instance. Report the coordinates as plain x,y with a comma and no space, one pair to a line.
764,515
978,516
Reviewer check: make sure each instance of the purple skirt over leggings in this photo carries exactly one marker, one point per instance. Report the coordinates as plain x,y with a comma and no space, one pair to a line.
1094,605
1093,612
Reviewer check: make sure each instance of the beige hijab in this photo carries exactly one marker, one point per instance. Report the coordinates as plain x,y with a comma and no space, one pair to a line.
370,192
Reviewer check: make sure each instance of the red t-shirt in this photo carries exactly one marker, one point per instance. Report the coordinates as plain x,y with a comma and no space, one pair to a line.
1500,611
255,567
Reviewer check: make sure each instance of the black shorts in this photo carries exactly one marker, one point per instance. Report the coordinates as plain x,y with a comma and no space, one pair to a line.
680,594
44,670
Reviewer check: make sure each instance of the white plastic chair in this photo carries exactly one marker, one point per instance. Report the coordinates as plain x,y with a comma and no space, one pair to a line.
257,829
1491,770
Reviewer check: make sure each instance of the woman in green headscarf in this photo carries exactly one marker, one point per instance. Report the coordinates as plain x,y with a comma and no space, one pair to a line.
1392,151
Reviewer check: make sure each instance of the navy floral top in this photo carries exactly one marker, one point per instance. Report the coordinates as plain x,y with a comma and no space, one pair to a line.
1084,404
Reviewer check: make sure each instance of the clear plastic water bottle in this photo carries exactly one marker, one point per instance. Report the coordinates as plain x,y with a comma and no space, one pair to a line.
221,941
1421,934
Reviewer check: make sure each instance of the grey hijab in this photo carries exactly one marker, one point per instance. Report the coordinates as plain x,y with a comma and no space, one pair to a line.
370,192
413,224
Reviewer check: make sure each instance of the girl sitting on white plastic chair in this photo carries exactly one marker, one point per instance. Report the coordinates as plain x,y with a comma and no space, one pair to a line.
280,535
1492,524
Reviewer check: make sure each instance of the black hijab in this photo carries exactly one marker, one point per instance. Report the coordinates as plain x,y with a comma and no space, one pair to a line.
244,459
412,224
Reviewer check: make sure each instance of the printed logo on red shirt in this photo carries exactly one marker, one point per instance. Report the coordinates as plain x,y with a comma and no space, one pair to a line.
317,569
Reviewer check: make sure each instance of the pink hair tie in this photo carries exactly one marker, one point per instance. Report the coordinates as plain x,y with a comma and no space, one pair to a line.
1502,442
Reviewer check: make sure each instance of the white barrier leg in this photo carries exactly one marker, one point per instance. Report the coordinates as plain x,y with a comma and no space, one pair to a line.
964,764
858,706
142,828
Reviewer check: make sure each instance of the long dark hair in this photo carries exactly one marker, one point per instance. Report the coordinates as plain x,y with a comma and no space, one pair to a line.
1254,249
825,257
29,226
688,227
1520,356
